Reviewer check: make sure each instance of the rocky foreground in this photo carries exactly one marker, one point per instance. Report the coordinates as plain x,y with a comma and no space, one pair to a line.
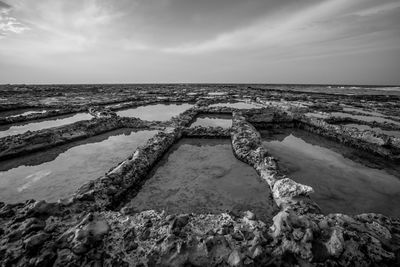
94,228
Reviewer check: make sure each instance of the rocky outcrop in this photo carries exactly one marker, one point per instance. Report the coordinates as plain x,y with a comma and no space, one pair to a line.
207,132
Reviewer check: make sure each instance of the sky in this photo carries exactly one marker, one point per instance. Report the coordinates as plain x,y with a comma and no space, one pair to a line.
200,41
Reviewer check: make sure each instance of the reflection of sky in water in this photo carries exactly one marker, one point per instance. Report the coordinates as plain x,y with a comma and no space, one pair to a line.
340,184
203,175
238,105
213,121
60,177
158,112
39,125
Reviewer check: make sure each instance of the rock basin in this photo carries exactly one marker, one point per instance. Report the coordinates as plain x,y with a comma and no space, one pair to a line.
157,112
203,176
344,179
19,128
213,120
56,173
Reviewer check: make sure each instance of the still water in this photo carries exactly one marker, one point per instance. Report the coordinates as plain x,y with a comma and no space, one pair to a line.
213,120
19,128
344,179
56,173
238,105
158,112
203,175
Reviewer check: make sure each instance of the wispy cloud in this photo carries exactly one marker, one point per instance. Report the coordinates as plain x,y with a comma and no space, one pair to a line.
8,23
267,32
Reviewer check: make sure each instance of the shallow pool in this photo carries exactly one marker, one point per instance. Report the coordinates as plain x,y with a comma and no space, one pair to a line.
201,176
36,125
344,179
56,173
158,112
213,120
238,105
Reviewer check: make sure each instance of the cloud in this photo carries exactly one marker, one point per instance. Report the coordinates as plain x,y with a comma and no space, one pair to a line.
267,32
8,23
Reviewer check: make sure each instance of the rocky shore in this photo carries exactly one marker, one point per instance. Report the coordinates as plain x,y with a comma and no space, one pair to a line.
94,228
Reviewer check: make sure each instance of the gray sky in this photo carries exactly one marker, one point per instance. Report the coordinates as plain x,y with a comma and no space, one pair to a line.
258,41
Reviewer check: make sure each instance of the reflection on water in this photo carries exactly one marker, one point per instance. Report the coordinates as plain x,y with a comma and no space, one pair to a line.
211,120
62,175
343,182
238,105
158,112
203,175
362,127
37,125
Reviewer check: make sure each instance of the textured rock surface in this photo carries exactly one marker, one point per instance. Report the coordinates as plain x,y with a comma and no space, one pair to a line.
91,230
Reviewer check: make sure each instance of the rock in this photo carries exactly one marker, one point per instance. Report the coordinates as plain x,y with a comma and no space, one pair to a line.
32,225
234,258
46,258
287,188
179,221
335,244
297,234
131,246
36,241
42,208
249,215
145,234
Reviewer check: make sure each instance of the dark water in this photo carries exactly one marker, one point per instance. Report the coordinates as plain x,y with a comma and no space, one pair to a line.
158,112
213,120
344,179
56,173
203,175
14,129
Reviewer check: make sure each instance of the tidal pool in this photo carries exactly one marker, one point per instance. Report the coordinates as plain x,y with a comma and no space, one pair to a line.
56,173
213,120
36,125
203,176
363,127
158,112
238,105
344,179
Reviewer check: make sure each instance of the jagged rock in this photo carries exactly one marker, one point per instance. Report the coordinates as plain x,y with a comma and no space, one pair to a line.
286,187
335,244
